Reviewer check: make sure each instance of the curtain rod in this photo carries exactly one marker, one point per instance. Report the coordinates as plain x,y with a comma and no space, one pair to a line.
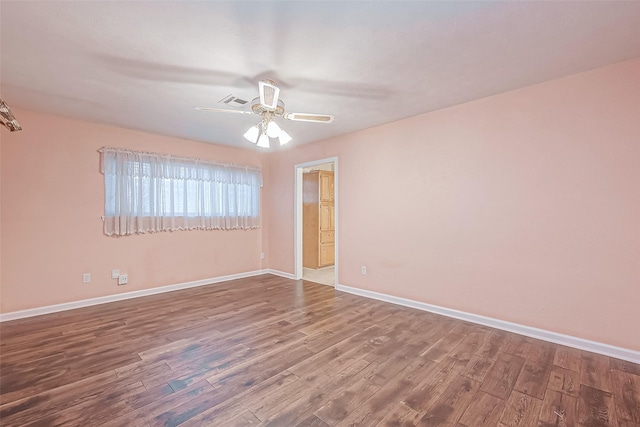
149,153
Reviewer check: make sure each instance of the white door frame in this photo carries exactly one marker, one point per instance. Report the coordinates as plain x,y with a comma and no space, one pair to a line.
297,231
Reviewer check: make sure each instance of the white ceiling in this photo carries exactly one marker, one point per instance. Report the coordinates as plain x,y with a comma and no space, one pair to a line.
145,65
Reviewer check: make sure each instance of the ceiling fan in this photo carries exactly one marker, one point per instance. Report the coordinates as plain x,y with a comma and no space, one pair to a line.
269,105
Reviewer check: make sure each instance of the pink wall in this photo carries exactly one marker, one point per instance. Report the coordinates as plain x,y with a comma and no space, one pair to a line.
523,206
52,200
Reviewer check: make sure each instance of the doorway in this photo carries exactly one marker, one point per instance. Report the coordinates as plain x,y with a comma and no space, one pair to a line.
316,240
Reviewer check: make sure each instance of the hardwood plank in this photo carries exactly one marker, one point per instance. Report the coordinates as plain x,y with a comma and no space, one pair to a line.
400,416
192,371
361,315
388,398
93,411
15,386
534,376
626,392
558,409
259,369
449,407
477,368
427,391
345,402
397,340
312,421
518,345
503,375
265,404
245,418
471,343
268,405
27,366
443,347
521,410
494,345
141,370
65,397
595,408
286,383
595,371
485,410
306,403
367,382
568,358
624,366
185,410
564,381
230,407
257,398
342,353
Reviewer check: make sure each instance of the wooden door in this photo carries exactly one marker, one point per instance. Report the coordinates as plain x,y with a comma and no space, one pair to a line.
327,254
326,216
326,186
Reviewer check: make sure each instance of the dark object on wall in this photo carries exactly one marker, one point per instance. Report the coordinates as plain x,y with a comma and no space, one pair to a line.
7,119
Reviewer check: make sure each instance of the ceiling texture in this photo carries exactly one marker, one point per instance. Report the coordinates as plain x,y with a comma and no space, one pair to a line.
145,65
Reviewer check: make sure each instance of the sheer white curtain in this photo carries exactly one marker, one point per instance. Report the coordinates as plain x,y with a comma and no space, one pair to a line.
148,192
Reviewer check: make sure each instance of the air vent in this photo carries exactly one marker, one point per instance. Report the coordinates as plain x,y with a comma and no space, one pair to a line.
233,101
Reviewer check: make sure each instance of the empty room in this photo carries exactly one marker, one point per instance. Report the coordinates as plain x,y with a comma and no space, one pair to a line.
320,213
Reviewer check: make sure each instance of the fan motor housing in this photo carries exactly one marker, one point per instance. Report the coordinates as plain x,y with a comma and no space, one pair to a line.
258,108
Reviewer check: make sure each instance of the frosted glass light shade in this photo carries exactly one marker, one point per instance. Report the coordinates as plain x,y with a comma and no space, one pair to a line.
273,130
263,141
284,137
252,134
261,134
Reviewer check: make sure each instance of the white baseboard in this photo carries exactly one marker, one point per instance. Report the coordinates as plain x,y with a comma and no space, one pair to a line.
541,334
127,295
281,274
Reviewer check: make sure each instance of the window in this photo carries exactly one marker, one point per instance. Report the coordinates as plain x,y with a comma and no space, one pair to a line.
147,192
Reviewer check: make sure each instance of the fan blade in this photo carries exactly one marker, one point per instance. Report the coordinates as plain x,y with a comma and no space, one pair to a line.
269,93
220,110
309,117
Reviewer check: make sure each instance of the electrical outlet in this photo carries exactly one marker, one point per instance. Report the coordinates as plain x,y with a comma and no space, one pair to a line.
123,279
261,255
86,278
115,274
364,270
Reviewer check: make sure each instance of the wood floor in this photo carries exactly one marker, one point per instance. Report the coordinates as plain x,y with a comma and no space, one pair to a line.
275,352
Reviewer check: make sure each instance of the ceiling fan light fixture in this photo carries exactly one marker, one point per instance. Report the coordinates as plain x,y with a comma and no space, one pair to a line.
263,141
284,137
252,134
268,106
273,130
